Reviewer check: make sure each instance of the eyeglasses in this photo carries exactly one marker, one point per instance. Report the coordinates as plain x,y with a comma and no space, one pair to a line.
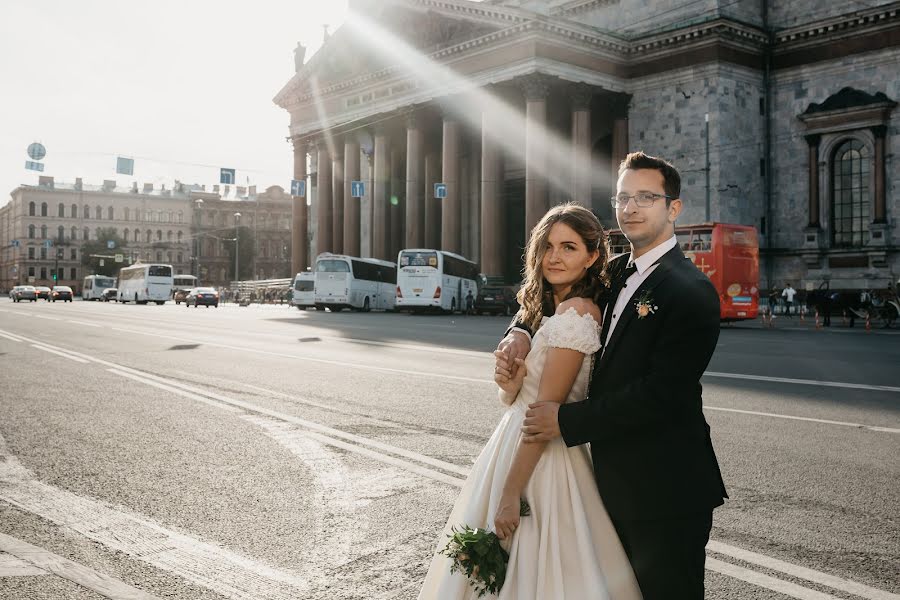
641,199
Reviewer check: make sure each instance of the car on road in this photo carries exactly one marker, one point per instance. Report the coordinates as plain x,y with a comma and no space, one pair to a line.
181,295
42,291
497,301
202,295
110,294
62,293
23,292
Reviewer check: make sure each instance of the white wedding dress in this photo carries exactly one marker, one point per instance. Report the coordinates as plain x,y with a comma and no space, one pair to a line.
567,549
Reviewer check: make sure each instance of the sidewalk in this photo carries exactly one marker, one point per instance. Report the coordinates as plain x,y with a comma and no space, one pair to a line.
838,325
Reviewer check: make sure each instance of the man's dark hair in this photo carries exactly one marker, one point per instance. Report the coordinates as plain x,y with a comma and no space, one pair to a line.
671,178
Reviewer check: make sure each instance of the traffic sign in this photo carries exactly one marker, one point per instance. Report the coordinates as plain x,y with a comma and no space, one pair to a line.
48,243
102,262
36,151
440,190
124,166
357,189
298,188
15,243
110,244
120,258
226,176
34,166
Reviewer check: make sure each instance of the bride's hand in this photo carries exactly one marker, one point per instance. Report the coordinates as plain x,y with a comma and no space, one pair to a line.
506,521
508,377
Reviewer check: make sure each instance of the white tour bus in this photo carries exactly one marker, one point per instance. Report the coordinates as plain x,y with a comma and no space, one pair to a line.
183,282
434,279
304,295
142,283
350,282
94,285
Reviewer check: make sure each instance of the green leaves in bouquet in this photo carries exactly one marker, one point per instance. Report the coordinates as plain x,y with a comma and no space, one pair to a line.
478,554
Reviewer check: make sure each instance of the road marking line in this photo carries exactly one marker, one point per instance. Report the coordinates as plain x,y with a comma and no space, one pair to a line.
47,318
765,581
10,566
837,384
218,405
223,571
774,564
9,337
63,354
85,323
793,418
84,576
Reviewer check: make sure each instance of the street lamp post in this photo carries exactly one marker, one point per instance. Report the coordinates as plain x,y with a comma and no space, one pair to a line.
198,204
237,220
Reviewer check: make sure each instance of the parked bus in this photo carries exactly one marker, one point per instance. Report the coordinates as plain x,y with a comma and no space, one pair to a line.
142,283
727,254
350,282
94,285
183,282
303,291
434,279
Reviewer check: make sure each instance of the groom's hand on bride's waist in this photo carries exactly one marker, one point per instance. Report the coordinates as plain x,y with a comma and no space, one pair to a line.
515,345
541,423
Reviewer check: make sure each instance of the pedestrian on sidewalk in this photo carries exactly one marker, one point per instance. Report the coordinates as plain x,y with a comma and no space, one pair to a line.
788,295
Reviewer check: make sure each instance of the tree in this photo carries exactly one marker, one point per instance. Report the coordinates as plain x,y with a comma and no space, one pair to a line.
247,249
92,249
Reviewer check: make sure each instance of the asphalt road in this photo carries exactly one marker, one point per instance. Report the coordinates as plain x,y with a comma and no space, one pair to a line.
265,452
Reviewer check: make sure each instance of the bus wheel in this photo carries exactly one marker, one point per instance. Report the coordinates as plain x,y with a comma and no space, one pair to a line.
366,307
160,302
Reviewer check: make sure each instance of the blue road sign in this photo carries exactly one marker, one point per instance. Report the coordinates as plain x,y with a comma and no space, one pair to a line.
15,243
298,188
357,189
48,243
226,176
124,166
36,151
34,166
110,244
440,190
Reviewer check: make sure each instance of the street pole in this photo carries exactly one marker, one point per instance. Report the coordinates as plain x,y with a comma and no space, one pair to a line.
707,170
197,204
237,220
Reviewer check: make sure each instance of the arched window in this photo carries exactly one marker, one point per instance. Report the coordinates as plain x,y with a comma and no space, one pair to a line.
74,232
87,234
61,211
180,236
180,257
127,213
159,216
850,198
159,235
43,209
180,217
127,231
31,231
74,211
159,256
137,235
110,213
31,209
169,256
60,233
171,217
73,255
170,236
87,211
147,235
43,232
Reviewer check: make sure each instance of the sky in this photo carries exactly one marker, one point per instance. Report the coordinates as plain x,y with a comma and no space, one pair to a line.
184,88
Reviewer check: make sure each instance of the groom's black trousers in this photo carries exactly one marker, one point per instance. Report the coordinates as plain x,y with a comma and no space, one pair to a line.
667,555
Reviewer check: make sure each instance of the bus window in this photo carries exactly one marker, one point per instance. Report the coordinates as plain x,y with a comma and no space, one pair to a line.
418,259
332,266
159,271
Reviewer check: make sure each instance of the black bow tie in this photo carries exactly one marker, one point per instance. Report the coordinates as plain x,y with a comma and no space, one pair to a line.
630,270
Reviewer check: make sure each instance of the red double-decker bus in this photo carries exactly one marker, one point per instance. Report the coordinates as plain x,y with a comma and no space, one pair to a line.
727,254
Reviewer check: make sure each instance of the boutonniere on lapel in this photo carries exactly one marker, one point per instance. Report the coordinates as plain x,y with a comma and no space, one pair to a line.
644,306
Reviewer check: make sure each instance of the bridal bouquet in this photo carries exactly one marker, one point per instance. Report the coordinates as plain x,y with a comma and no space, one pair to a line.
478,554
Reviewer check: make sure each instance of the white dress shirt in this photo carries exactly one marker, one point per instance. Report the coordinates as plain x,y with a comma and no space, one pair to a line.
645,265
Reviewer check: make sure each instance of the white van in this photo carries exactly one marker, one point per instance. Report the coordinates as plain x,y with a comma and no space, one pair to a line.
304,295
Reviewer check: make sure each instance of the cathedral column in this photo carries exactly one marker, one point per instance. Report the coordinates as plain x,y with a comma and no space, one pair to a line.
880,215
415,222
397,206
619,108
536,89
813,168
493,226
299,214
324,206
337,197
380,199
450,206
351,204
432,205
581,144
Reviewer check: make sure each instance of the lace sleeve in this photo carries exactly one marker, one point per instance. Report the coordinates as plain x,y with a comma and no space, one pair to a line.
573,331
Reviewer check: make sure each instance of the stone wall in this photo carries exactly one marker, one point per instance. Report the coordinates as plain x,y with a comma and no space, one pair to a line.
799,12
636,17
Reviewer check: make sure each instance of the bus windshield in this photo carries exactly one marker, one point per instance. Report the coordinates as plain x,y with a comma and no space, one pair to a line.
332,266
104,282
303,285
419,259
159,271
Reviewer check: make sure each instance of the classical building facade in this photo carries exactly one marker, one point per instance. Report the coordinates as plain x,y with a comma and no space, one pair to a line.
779,115
186,227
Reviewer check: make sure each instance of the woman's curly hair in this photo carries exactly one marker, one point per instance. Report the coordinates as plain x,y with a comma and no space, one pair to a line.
536,295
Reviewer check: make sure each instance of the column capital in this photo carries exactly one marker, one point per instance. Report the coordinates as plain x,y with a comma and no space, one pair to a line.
580,95
618,105
299,144
411,118
879,131
535,86
813,139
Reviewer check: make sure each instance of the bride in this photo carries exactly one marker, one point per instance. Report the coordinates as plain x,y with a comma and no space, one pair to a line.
567,547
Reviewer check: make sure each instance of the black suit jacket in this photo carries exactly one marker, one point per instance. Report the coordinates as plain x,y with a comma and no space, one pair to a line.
653,457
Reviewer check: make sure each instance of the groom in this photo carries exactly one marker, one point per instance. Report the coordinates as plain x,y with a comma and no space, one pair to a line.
653,458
